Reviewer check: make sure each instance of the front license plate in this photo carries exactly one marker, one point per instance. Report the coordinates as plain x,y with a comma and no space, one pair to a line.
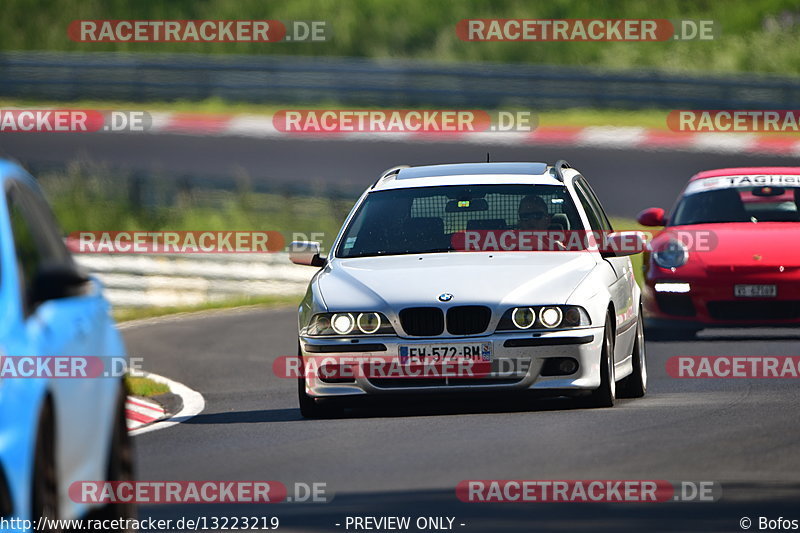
755,291
438,353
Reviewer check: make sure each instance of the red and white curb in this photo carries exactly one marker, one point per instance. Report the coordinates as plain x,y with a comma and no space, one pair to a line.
141,412
144,416
261,126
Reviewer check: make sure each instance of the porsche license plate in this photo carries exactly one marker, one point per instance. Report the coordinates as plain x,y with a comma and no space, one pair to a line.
755,291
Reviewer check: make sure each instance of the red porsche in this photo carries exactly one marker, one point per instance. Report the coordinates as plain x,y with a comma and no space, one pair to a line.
729,253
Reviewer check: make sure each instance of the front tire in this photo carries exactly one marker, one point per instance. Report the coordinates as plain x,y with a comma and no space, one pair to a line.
635,385
45,475
120,465
605,394
309,408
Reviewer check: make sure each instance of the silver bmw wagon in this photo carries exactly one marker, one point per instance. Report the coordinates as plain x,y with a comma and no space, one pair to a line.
468,278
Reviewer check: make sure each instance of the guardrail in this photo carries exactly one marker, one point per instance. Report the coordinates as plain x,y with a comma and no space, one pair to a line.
389,83
179,279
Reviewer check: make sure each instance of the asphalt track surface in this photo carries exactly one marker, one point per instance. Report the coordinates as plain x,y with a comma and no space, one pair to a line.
405,460
627,180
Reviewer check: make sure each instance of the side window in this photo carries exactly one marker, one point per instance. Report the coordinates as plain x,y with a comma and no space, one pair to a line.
44,225
598,208
591,212
36,241
29,257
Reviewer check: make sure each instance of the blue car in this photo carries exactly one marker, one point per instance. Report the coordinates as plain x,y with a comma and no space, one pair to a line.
54,431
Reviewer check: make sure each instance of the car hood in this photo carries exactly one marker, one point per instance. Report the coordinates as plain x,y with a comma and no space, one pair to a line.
764,244
472,278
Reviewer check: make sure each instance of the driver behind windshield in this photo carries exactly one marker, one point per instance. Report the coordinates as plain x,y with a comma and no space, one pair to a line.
533,214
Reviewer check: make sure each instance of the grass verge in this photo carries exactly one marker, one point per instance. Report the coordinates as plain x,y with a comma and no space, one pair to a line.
645,118
628,224
137,313
575,117
141,386
750,35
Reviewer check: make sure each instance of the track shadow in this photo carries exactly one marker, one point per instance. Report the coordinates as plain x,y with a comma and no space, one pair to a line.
746,500
402,407
247,417
722,335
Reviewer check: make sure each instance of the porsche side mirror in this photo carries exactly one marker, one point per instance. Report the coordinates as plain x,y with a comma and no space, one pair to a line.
654,216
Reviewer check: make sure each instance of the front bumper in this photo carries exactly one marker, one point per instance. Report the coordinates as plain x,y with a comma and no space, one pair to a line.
517,357
711,302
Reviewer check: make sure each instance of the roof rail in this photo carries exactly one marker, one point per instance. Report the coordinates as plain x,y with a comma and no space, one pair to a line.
388,172
559,169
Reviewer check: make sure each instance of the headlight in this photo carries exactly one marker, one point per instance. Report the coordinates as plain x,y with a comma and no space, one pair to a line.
572,317
550,317
354,323
523,317
369,322
343,323
671,255
544,317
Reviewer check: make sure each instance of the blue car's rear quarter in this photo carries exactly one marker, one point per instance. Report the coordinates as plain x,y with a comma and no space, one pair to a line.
20,399
20,403
83,409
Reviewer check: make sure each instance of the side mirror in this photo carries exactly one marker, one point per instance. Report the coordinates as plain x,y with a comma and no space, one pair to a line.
305,253
53,282
654,216
623,243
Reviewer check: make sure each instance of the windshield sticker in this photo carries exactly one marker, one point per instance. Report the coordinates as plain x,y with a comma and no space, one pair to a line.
732,182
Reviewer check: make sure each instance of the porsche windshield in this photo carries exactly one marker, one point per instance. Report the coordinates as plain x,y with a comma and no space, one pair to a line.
424,219
738,204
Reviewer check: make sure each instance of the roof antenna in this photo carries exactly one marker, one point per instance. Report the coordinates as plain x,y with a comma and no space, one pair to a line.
487,157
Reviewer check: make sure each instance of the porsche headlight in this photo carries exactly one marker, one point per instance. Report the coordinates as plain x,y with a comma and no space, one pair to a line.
354,323
672,255
544,317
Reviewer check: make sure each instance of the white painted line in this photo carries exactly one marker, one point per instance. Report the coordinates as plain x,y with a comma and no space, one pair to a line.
503,138
250,126
160,120
193,404
722,142
206,313
611,136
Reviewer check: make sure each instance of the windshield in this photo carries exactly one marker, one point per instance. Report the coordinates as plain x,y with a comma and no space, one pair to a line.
738,204
424,219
